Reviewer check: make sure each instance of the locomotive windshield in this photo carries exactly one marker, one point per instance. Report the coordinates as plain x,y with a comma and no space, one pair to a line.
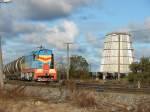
43,56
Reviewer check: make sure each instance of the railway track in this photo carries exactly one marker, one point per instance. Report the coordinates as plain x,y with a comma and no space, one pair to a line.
32,83
97,87
114,88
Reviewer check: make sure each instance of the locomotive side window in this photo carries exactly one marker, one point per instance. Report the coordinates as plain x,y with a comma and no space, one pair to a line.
52,62
34,56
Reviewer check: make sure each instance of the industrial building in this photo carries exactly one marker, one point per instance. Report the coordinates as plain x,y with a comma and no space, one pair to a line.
117,54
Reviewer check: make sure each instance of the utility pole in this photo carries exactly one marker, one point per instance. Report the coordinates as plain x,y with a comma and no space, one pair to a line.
68,59
1,59
1,66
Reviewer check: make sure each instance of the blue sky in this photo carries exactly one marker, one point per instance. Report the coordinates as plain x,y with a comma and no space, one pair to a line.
26,24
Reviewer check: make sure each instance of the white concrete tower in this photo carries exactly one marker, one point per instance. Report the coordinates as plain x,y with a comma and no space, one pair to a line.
117,54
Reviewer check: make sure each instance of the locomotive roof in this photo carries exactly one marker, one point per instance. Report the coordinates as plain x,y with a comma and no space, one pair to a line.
39,50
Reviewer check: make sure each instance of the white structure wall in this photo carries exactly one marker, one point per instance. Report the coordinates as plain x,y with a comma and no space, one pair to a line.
117,54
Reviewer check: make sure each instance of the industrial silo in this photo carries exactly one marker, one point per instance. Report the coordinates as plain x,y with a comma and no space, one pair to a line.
117,54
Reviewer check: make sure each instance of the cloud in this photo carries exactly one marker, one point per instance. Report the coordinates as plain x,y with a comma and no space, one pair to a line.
23,37
45,9
15,29
140,32
31,10
24,23
48,9
57,35
37,32
140,37
95,41
142,51
91,38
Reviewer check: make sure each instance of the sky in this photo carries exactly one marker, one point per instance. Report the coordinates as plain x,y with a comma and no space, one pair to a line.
27,24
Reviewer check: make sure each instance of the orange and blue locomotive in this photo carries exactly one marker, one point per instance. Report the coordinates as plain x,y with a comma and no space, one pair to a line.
38,66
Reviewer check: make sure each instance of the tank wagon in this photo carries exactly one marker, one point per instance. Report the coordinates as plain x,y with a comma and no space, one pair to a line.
38,66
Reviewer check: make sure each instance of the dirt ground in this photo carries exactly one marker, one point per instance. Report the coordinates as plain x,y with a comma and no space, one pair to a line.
85,101
37,105
32,105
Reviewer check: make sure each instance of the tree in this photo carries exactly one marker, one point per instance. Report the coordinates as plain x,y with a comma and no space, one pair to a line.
140,71
134,67
79,67
145,64
61,70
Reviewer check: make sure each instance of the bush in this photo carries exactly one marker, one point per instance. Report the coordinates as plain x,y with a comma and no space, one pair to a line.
142,77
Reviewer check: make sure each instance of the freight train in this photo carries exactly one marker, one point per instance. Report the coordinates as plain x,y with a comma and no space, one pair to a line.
36,66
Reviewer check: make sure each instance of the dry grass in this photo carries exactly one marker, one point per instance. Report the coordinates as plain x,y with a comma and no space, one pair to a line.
7,96
3,110
144,107
80,98
15,93
84,99
71,86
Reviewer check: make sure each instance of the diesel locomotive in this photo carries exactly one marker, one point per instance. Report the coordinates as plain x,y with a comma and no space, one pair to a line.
37,65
